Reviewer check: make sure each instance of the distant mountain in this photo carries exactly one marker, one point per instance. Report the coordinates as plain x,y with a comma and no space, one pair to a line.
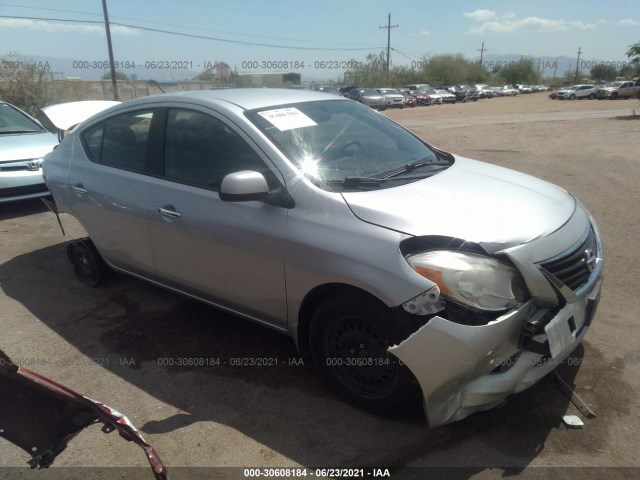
548,66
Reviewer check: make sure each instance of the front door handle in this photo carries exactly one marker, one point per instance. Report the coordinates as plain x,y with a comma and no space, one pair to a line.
168,211
78,188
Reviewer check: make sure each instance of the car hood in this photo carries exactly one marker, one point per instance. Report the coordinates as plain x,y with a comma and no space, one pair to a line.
65,116
26,146
474,201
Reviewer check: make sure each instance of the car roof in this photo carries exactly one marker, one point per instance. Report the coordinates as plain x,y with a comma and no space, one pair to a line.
244,98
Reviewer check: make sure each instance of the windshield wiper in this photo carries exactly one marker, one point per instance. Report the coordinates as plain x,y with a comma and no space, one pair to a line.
410,167
13,132
350,182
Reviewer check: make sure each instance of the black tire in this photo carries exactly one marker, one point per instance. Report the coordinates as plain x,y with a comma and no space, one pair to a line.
613,96
592,96
349,336
572,97
88,266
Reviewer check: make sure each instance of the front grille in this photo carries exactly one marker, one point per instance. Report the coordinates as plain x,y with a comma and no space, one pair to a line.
26,190
573,268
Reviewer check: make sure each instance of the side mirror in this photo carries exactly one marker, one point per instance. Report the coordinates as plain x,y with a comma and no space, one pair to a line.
244,186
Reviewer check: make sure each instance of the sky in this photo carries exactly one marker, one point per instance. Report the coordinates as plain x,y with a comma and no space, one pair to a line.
262,35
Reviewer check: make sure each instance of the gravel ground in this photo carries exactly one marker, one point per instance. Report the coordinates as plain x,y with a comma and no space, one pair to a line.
107,342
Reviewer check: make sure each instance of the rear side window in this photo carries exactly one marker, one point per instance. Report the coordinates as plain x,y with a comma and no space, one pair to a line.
120,141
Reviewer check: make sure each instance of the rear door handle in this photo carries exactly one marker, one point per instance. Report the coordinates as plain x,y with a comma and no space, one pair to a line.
79,188
168,211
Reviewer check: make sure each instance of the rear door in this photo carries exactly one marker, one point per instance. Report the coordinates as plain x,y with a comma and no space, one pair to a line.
228,253
108,190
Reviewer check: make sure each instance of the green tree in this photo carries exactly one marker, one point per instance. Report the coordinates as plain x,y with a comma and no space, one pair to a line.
370,73
632,69
119,76
24,83
603,72
520,72
634,52
452,69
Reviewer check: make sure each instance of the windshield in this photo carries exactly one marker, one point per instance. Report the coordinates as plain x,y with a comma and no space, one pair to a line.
14,121
331,141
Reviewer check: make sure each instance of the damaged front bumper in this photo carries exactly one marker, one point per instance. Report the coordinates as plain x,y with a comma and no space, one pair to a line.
41,416
462,369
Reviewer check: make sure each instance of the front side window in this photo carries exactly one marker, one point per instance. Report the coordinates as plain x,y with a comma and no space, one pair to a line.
120,141
200,150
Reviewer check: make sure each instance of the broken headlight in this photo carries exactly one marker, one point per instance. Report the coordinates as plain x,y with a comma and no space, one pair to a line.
473,280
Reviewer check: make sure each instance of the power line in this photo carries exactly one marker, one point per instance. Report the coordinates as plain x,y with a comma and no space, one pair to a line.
201,37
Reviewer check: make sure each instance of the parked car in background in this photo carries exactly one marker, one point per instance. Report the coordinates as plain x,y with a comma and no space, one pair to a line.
369,97
464,93
540,88
615,90
328,89
577,91
310,214
508,90
417,86
393,98
434,97
447,96
409,100
487,92
524,88
422,97
23,144
344,90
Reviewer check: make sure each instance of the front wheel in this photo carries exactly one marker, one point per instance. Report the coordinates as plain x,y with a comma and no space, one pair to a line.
349,338
572,97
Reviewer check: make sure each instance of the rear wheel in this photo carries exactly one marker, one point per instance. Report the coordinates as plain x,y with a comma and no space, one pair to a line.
592,96
349,338
88,265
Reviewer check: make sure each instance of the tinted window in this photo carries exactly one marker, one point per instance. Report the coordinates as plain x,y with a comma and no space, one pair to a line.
92,139
120,141
200,150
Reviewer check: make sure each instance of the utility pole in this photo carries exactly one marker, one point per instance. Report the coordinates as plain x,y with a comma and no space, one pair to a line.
481,50
111,62
388,27
575,79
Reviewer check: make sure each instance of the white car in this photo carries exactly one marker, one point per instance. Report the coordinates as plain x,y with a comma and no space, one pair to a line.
577,91
508,90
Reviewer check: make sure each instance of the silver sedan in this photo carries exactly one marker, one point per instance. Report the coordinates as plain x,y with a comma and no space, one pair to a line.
408,274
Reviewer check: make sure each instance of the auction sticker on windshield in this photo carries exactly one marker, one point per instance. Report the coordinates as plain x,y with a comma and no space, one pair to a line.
287,118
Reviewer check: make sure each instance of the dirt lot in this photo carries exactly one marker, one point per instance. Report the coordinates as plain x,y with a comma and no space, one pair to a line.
110,343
